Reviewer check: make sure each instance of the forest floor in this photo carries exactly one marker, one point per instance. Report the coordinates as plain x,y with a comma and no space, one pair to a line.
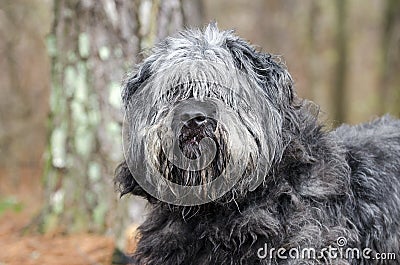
19,248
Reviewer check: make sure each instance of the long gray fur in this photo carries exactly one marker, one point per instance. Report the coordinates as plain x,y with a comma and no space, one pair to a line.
318,185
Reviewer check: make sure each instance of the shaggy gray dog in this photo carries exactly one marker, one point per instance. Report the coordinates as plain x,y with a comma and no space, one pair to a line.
237,169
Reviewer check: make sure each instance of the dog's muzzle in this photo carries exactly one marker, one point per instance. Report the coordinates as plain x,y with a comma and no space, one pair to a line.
196,124
192,154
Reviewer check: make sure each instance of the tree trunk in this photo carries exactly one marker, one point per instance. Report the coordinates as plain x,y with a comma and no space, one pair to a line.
91,46
341,64
390,79
311,45
24,93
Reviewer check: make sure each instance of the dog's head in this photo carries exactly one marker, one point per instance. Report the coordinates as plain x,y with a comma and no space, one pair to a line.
203,117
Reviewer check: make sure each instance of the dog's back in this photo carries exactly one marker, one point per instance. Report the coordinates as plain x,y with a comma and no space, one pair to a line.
373,154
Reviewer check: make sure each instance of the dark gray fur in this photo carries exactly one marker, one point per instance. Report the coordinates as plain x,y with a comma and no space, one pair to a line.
320,184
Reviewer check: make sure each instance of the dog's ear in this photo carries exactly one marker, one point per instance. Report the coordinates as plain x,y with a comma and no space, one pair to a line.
267,69
137,78
276,76
126,183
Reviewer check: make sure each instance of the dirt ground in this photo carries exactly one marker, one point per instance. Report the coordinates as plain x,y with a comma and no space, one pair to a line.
18,249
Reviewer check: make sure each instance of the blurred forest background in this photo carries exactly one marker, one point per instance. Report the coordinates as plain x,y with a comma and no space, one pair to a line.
61,66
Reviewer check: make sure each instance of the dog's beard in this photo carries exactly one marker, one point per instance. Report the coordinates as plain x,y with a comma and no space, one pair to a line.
190,146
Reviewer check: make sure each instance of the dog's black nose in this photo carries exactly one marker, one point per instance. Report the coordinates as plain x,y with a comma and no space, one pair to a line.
196,122
193,119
